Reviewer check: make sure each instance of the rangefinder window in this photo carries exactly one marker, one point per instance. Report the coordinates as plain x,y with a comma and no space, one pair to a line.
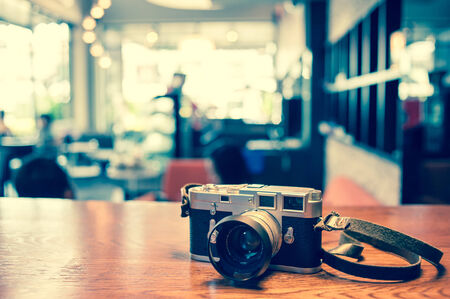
293,203
224,198
267,201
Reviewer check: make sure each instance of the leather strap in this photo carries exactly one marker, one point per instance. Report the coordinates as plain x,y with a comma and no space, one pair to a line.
381,237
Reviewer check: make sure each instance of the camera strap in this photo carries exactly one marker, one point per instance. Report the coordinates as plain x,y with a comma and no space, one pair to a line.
185,206
383,238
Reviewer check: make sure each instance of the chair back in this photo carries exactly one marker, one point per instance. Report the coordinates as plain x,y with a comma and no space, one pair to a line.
184,171
342,191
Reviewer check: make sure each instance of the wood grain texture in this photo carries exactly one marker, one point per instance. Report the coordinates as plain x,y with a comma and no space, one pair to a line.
53,248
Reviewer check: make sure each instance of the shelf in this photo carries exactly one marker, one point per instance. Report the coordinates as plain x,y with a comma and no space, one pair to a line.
362,81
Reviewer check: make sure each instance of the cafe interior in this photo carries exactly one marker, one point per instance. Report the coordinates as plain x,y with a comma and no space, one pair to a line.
132,99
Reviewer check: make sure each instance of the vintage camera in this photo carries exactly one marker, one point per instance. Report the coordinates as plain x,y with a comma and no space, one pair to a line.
244,229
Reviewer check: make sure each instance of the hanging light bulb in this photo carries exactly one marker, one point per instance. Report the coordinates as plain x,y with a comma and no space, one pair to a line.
105,62
97,12
232,36
105,4
89,37
152,37
96,50
88,23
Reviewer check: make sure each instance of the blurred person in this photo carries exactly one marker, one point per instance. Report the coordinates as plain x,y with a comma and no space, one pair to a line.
4,130
46,145
42,177
174,92
229,164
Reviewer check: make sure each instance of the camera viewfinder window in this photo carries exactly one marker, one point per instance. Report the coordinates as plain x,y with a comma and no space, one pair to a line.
267,201
224,198
293,203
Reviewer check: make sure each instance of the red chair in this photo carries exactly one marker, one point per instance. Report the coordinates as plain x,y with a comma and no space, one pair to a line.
180,172
342,191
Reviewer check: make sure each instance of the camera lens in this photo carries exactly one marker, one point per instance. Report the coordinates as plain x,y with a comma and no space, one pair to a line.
241,246
244,244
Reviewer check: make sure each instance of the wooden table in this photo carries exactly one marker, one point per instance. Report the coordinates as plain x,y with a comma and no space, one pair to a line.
52,248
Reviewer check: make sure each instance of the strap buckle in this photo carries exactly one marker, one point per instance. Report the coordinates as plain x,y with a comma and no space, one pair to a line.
333,221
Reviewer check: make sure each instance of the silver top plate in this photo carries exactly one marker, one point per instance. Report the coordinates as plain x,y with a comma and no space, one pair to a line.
278,200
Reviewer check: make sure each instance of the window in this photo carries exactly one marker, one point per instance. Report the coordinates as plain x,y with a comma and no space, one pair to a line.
34,67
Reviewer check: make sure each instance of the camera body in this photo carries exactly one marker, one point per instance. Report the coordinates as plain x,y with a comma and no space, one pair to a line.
281,219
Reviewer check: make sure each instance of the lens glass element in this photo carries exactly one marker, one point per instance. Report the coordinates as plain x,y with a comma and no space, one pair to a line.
243,244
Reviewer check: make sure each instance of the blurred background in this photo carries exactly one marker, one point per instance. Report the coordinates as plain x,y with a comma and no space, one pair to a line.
142,96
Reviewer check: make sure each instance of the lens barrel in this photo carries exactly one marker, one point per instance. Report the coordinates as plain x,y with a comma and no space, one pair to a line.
241,246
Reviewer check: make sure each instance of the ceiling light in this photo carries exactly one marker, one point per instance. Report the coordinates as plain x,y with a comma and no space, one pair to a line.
89,37
232,36
89,23
105,62
97,50
105,4
152,37
185,4
97,12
